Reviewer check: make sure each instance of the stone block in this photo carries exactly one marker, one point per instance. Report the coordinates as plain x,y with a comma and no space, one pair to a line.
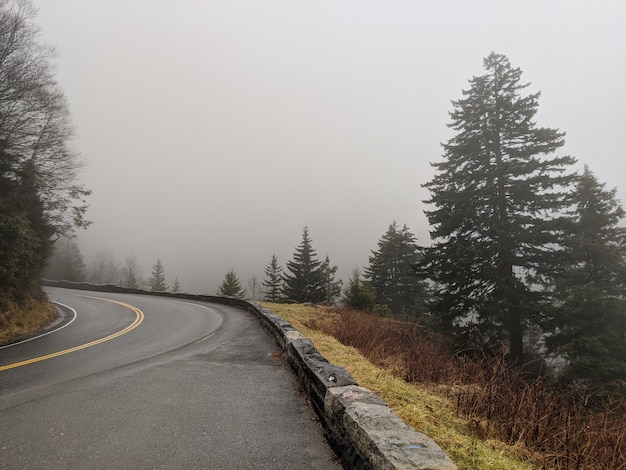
386,442
315,371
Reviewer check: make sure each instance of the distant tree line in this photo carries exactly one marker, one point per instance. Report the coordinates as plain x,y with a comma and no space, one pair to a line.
67,264
389,284
306,278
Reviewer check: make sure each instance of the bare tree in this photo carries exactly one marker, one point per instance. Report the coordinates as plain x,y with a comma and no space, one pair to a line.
254,288
104,270
131,273
66,262
35,120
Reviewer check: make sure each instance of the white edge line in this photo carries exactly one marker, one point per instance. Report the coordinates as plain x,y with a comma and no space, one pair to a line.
195,304
48,332
208,308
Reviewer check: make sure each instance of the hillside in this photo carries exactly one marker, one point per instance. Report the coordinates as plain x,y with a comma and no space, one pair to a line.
455,401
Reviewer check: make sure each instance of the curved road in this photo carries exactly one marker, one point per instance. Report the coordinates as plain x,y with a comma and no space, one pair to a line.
131,382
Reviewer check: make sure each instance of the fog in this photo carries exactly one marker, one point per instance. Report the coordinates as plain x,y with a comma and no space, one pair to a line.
213,131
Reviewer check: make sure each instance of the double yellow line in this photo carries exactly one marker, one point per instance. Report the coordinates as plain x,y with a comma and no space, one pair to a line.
138,319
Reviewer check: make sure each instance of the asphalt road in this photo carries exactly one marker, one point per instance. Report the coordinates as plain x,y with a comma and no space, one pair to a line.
134,382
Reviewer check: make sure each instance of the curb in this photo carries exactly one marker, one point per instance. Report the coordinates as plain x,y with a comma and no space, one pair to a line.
362,430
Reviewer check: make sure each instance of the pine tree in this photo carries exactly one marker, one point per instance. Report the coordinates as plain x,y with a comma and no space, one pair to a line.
391,273
176,287
273,282
331,287
304,281
157,283
588,323
26,235
231,286
498,195
357,295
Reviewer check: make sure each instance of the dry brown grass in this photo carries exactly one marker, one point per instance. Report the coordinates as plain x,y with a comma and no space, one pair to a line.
17,321
509,408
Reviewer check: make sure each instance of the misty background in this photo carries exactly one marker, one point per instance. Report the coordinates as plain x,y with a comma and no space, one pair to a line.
213,131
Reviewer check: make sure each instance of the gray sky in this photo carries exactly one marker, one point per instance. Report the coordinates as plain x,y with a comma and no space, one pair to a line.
213,131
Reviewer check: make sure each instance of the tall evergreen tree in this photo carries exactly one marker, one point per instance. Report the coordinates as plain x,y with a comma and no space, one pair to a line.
498,195
588,321
273,282
24,250
303,281
26,234
231,285
391,273
157,283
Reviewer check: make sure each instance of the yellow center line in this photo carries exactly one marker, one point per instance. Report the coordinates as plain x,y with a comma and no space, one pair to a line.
138,319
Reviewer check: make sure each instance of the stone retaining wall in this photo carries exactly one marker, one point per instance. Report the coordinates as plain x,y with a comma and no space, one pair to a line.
360,427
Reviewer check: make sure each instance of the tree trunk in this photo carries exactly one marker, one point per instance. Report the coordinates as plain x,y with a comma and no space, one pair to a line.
516,347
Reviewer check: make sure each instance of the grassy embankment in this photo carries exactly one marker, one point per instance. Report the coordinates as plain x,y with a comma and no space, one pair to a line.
424,409
17,321
483,412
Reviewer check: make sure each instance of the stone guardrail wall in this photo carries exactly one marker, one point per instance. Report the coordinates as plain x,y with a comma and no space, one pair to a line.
359,426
